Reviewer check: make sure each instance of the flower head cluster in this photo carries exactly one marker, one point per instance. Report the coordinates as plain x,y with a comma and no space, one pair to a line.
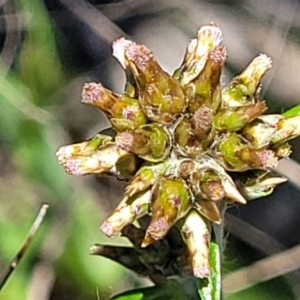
185,142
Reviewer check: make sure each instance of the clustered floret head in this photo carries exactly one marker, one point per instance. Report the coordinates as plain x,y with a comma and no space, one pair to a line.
185,142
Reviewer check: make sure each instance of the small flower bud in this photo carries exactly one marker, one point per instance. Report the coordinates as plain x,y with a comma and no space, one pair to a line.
287,128
128,211
134,141
150,142
119,47
84,165
201,122
210,184
95,94
186,130
234,119
124,113
82,149
185,167
259,185
209,37
104,160
163,100
161,96
235,154
213,190
260,131
196,235
206,87
183,134
243,89
171,202
258,159
144,178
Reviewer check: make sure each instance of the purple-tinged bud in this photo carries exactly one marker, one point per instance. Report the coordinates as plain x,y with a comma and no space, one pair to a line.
196,235
85,148
171,202
206,88
84,165
150,142
244,89
104,160
130,209
235,153
209,184
201,122
124,112
95,94
209,38
144,178
161,96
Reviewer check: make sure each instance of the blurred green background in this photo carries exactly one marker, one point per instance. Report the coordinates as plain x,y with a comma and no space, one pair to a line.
48,50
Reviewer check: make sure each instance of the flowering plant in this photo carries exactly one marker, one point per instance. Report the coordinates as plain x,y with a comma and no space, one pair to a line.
188,146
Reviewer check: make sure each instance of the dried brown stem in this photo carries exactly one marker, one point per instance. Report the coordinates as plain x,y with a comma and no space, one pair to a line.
36,224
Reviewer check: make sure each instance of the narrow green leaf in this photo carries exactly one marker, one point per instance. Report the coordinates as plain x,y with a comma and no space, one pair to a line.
294,111
210,288
131,295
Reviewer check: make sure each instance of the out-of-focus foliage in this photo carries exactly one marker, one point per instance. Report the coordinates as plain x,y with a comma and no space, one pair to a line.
30,135
41,65
185,289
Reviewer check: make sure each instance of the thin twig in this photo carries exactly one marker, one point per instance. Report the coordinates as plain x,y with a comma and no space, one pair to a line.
252,235
266,244
98,23
263,270
36,224
12,37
